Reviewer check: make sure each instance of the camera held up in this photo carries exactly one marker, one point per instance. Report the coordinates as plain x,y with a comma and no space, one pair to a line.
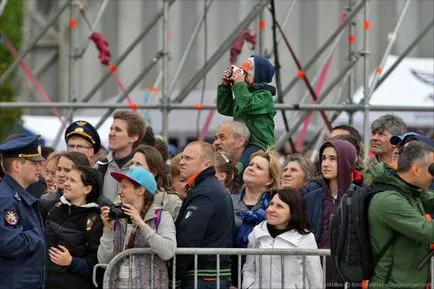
229,72
117,213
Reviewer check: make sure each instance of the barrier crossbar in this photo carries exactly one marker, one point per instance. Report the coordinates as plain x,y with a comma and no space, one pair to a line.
218,252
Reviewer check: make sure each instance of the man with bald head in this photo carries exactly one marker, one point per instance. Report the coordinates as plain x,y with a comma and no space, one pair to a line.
205,219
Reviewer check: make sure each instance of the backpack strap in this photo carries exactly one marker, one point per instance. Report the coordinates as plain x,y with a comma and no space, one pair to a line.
157,218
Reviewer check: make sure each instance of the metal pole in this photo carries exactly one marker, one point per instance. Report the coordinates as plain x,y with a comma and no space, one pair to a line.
165,79
3,6
334,46
324,46
270,52
23,54
261,34
95,23
350,58
70,52
391,38
366,85
306,80
117,62
302,117
130,87
370,90
405,53
180,106
188,48
220,51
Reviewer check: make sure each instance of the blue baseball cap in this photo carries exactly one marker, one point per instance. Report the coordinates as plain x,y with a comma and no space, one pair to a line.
410,136
25,147
139,176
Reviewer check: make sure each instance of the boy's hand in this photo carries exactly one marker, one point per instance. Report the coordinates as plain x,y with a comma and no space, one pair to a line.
238,76
225,80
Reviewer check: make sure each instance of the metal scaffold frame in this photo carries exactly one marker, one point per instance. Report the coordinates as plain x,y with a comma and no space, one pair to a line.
257,10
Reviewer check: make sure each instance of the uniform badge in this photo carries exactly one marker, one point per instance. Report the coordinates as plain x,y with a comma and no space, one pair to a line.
90,223
81,123
17,197
11,217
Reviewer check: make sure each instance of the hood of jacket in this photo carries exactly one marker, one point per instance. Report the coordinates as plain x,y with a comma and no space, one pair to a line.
382,173
86,207
346,159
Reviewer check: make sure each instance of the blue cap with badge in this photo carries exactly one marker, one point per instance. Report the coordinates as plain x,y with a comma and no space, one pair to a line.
410,136
25,147
85,130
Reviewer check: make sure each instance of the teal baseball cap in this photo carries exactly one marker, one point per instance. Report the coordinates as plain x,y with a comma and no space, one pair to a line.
139,176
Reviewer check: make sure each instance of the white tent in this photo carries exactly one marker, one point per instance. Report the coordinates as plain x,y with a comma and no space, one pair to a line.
410,84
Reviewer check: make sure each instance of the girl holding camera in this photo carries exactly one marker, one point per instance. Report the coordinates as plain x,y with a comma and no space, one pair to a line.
73,229
147,226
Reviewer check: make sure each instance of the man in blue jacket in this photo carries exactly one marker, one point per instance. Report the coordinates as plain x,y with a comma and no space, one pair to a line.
22,245
205,219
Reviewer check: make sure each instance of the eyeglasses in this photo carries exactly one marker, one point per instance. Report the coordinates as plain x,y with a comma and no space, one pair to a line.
77,147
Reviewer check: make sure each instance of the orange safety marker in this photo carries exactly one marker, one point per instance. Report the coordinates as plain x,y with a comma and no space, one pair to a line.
300,74
112,68
379,70
199,105
133,105
367,25
154,90
351,38
72,23
261,25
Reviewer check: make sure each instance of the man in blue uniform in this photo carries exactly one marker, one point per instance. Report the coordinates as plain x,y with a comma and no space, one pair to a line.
22,245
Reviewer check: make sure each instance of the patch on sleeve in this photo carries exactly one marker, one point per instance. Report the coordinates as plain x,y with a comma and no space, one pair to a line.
90,223
11,217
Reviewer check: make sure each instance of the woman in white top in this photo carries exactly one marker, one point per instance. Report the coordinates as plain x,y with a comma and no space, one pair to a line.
286,227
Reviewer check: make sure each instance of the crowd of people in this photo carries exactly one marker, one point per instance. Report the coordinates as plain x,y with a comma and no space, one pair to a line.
62,212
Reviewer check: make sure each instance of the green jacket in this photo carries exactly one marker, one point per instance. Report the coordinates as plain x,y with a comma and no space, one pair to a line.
254,108
392,212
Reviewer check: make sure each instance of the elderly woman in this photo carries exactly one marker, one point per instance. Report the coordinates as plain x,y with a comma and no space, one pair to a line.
297,172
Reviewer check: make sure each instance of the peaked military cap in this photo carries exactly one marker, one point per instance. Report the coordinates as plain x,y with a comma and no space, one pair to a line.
85,130
26,147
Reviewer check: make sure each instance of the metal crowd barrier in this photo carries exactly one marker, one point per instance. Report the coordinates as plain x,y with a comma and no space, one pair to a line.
217,252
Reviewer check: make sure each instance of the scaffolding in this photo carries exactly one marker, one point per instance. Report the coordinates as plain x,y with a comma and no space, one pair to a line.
258,8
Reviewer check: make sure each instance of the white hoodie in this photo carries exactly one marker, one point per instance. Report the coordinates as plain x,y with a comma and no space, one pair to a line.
271,266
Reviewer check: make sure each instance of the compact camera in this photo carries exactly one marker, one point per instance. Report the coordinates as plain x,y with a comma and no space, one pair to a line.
116,212
229,72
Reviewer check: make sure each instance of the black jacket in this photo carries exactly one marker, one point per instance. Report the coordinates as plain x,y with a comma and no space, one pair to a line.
79,229
205,220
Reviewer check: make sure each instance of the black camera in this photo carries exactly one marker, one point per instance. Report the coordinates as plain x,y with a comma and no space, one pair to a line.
116,212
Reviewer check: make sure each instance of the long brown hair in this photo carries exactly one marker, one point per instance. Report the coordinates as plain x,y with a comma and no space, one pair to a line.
156,165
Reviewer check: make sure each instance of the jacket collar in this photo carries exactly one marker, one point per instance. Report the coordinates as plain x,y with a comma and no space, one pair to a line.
292,237
20,193
196,178
64,201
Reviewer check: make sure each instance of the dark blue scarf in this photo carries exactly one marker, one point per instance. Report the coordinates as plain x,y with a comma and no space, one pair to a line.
251,219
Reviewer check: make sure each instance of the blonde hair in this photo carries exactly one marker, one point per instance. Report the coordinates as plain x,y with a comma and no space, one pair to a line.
275,169
174,165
